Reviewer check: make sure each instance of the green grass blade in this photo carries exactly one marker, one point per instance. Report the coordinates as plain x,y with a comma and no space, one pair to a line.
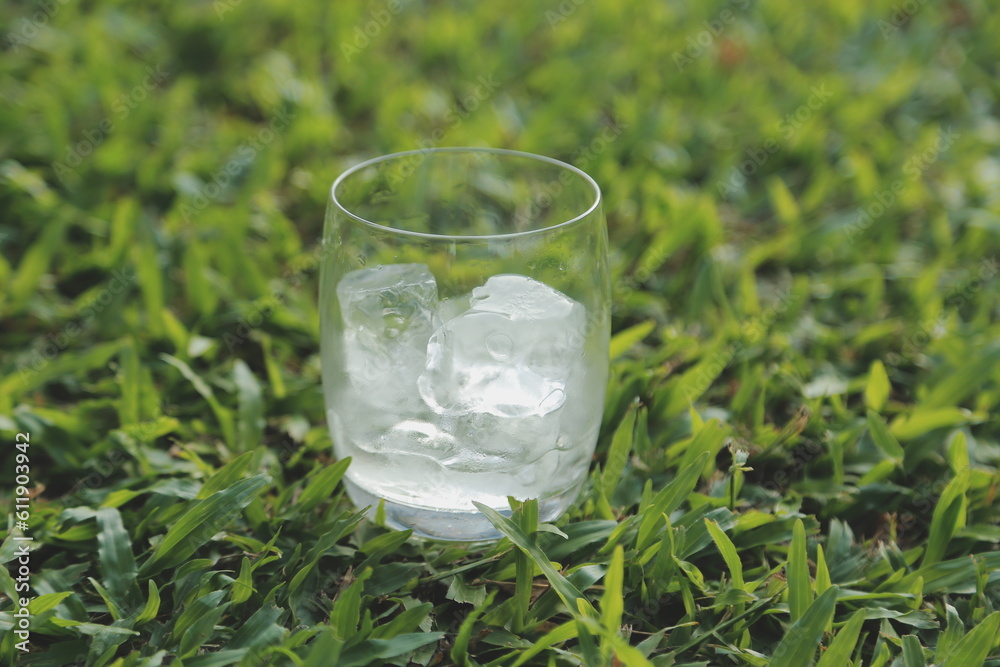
800,642
323,544
623,341
877,389
822,571
262,628
948,517
35,263
694,382
612,600
410,619
250,425
621,445
729,553
627,655
919,422
128,408
225,476
114,550
152,607
196,625
117,613
43,603
958,453
973,648
839,652
567,591
199,293
963,381
953,574
913,652
953,633
203,519
381,546
28,378
243,586
525,516
274,377
797,574
368,652
883,439
669,499
7,585
322,485
557,635
150,276
346,612
460,649
222,414
325,650
709,439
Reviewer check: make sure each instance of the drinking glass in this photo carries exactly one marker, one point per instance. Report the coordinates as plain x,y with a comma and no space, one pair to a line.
464,306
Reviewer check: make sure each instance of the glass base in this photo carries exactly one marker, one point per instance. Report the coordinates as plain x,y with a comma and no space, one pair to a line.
455,526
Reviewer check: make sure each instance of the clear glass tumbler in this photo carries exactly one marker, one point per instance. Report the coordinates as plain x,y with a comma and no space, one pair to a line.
465,305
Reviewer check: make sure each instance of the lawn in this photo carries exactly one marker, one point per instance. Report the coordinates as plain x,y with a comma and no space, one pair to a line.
799,456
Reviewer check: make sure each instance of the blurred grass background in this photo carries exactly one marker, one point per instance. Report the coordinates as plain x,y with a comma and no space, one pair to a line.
804,208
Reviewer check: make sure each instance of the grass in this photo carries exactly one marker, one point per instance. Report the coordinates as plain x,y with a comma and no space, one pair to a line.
799,459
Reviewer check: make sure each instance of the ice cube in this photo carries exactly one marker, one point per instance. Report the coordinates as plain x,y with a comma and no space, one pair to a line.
389,313
402,478
419,438
487,443
452,307
510,354
475,442
362,423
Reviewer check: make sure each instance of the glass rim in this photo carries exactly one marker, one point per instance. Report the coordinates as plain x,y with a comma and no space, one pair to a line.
466,149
